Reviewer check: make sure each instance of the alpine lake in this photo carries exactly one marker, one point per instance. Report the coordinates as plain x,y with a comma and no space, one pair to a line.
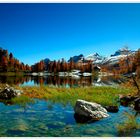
44,118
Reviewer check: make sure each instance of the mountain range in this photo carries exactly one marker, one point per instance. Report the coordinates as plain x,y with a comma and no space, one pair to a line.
101,60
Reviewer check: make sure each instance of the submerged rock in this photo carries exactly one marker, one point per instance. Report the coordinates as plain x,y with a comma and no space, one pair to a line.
112,109
89,111
9,92
137,104
90,131
82,119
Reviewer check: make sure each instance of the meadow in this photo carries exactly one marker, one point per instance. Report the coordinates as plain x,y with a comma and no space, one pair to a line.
102,95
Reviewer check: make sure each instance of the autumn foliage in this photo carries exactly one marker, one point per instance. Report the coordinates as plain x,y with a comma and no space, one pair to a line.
9,63
129,64
62,66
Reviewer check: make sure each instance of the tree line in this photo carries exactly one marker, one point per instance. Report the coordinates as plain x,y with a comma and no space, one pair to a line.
62,66
10,64
126,65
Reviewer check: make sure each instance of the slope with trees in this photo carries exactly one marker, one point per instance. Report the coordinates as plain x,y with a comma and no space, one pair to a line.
10,64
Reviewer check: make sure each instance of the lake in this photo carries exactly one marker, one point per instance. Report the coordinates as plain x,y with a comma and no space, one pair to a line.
62,81
45,118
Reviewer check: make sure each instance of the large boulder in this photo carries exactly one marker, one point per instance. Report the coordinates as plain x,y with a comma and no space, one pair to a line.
9,92
90,110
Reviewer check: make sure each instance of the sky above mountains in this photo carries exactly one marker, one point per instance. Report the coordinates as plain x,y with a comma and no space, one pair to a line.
36,31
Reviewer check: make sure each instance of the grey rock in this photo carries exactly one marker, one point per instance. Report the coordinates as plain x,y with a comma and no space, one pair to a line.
90,110
9,92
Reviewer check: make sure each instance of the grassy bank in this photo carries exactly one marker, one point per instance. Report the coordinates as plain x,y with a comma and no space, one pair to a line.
101,95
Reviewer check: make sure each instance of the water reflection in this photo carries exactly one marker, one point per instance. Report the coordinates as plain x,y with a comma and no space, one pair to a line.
50,80
16,80
61,81
108,80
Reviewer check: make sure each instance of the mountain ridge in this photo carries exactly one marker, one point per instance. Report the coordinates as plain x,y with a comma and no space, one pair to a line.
98,59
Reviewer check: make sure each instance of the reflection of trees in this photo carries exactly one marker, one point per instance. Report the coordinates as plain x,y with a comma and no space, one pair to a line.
115,79
58,81
62,81
14,79
50,80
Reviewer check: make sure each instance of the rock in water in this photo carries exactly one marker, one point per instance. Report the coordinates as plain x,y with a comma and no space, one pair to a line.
90,110
9,92
125,100
112,109
137,104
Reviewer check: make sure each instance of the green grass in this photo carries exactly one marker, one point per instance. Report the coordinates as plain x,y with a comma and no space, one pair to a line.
128,127
101,95
22,101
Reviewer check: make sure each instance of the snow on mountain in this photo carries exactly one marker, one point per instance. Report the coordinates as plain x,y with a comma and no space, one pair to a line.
122,51
101,60
96,58
112,59
120,54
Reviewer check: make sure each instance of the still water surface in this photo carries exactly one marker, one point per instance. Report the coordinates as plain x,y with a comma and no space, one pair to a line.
62,81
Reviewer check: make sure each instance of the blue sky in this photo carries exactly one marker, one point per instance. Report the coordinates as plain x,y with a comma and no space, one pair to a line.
36,31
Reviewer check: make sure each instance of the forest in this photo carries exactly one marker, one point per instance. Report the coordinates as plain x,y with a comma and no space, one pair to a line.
62,66
127,65
8,63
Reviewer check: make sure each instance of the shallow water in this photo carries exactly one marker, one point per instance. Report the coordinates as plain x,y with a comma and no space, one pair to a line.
45,118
